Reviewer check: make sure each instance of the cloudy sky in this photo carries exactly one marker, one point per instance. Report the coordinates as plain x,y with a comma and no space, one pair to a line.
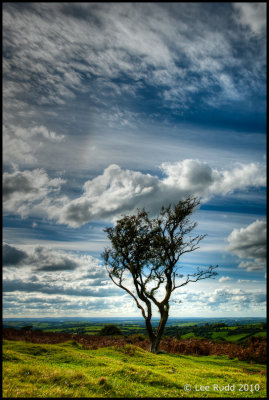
113,106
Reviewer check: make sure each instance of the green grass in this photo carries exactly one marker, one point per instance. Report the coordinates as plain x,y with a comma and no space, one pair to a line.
94,327
260,334
217,335
238,337
231,328
227,334
229,338
189,335
66,370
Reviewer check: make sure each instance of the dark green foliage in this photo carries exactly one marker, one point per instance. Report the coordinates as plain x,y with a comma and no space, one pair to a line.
109,330
27,328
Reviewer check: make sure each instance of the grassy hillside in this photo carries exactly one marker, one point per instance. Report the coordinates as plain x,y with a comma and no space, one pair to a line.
68,370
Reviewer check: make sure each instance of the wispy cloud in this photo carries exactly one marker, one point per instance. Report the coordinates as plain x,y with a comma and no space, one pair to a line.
114,42
25,146
252,16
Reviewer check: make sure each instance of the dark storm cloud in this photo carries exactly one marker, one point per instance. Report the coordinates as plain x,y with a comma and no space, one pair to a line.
53,289
17,183
13,256
62,265
48,260
41,259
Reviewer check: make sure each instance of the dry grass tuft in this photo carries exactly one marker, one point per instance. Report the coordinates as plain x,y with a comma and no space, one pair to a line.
102,381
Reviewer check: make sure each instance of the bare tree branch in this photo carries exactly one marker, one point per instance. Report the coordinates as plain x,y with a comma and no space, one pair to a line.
128,291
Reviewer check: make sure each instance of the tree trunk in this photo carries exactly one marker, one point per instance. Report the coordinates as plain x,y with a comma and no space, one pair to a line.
155,341
154,345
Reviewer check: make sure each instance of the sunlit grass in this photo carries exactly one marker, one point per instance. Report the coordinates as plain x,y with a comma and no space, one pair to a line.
236,338
221,334
67,370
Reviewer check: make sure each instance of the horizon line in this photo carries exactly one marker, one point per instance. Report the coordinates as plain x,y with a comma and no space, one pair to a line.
61,317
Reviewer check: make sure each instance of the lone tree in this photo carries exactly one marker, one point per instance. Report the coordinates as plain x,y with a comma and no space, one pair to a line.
147,250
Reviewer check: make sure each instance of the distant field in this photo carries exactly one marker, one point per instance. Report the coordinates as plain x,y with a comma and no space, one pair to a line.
237,338
174,328
260,334
188,335
67,370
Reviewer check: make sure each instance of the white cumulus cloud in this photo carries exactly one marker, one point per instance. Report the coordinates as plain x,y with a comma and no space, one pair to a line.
224,279
119,191
25,190
249,244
